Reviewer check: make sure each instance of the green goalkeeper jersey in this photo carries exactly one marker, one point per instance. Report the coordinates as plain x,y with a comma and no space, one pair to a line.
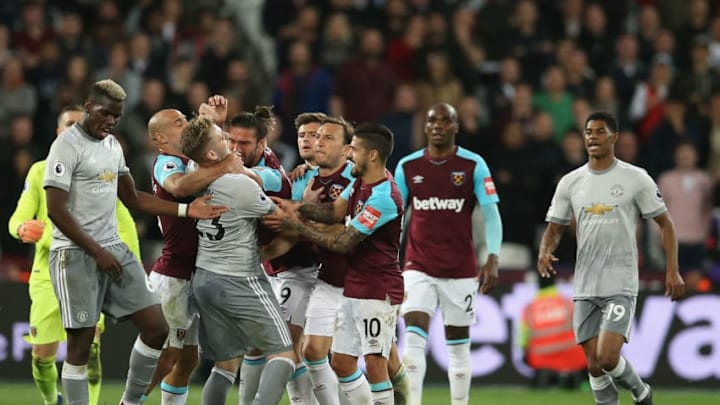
33,205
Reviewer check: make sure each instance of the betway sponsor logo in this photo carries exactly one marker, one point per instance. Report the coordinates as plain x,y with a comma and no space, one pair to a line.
438,204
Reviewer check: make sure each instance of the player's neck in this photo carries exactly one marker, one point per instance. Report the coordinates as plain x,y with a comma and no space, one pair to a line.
436,152
373,175
311,164
329,171
602,163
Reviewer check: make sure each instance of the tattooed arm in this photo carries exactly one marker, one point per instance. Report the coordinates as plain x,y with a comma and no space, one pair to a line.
337,239
327,213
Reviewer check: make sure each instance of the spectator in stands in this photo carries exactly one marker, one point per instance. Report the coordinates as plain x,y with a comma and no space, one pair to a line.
688,193
605,99
74,87
555,100
596,38
648,102
649,27
17,97
303,86
119,71
528,40
627,72
700,79
337,41
440,85
365,85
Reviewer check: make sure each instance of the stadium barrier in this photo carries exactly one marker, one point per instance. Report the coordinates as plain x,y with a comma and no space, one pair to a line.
672,344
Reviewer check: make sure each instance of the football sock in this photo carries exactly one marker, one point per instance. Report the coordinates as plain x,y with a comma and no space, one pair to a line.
299,387
604,390
74,381
217,386
382,393
324,381
401,386
270,391
143,360
356,389
45,374
459,373
94,373
250,371
626,377
414,360
171,395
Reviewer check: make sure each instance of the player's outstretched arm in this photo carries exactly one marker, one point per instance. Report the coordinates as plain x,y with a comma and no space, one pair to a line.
550,241
674,284
66,223
142,201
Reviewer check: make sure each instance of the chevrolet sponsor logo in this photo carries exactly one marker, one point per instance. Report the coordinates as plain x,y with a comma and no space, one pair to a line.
599,209
106,176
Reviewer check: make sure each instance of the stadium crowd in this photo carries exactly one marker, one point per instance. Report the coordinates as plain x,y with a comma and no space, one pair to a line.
523,76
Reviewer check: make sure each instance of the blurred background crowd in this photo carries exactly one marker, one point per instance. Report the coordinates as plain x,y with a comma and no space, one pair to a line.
523,75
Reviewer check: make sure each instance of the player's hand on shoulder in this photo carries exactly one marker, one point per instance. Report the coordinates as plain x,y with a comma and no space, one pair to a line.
220,107
298,171
108,263
200,209
674,285
545,265
31,231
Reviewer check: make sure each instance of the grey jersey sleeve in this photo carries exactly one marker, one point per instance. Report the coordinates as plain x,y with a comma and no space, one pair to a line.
648,198
560,211
61,162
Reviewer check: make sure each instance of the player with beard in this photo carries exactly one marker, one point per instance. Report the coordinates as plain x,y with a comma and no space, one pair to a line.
606,197
293,273
442,183
373,283
235,301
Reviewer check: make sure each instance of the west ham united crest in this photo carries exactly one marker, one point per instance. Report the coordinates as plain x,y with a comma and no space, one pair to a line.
457,178
359,207
181,334
335,191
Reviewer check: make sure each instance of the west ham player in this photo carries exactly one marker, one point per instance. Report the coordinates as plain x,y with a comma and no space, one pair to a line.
606,197
294,273
236,303
171,274
92,270
30,224
373,284
442,183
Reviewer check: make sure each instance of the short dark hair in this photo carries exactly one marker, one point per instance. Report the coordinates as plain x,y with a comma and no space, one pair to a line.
348,130
69,108
377,137
309,118
194,140
606,117
261,121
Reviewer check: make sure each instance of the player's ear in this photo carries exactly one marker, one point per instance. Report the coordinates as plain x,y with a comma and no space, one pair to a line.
373,155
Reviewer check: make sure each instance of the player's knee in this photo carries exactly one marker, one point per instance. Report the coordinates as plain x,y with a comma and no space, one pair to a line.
608,360
343,365
44,352
376,367
313,353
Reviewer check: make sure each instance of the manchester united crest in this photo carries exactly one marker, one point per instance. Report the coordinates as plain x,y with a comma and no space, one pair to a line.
457,178
335,191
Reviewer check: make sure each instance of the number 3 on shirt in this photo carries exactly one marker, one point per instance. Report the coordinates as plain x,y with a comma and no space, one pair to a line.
220,230
614,312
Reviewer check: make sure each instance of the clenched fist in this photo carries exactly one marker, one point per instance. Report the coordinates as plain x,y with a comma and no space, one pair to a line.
31,231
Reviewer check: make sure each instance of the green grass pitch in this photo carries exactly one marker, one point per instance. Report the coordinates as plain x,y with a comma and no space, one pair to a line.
25,393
